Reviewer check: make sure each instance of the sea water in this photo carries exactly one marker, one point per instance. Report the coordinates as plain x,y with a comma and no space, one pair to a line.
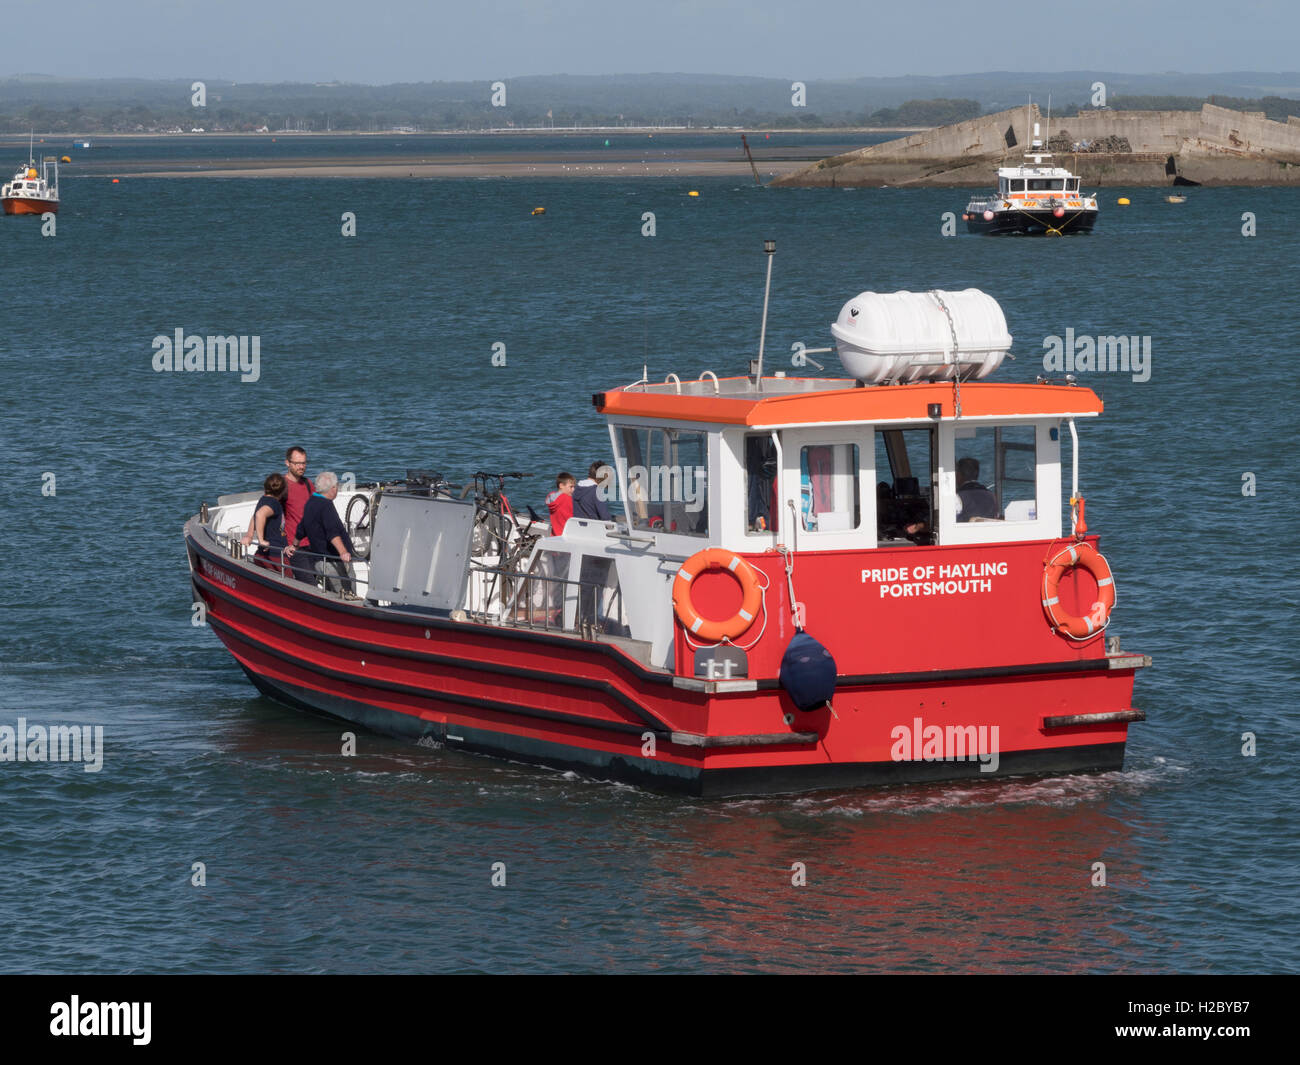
226,833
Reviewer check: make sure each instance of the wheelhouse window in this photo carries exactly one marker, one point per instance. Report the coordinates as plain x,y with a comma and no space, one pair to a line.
762,509
904,478
829,495
1046,184
996,473
667,476
1072,184
1016,185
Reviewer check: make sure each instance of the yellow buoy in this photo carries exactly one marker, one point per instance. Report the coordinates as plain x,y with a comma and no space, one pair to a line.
65,159
539,210
1122,201
692,193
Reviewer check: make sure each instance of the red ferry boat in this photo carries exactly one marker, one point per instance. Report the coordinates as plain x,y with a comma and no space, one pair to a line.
813,583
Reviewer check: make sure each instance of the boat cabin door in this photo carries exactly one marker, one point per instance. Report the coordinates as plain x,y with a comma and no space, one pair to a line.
825,477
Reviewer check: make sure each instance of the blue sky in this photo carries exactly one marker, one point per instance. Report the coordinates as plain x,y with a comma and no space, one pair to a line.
382,41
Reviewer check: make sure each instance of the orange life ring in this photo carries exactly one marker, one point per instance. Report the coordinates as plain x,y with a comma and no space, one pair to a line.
720,559
1087,556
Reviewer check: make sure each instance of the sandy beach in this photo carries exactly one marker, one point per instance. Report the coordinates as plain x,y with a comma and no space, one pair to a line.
465,157
482,169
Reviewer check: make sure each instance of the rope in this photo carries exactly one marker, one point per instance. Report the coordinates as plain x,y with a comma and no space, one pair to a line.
1050,229
789,582
956,367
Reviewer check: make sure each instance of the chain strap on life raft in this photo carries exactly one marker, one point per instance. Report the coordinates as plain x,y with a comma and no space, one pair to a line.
1089,558
716,558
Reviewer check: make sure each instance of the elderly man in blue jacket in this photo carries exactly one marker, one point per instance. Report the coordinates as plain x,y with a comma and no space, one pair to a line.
327,537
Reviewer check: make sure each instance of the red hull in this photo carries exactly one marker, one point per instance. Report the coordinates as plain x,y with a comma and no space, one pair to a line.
562,701
22,205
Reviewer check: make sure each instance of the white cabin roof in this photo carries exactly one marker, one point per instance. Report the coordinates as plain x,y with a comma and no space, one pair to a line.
1034,171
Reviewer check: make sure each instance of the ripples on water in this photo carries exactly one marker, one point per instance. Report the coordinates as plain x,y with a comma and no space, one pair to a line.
375,355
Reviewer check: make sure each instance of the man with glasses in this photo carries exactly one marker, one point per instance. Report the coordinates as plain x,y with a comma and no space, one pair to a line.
300,490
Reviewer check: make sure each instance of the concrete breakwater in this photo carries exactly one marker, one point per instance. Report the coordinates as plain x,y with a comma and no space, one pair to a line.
1213,146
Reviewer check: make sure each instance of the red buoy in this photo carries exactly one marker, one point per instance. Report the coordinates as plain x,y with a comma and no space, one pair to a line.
1059,212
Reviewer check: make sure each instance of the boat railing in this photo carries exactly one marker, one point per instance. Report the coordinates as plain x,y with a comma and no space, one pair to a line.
334,577
534,599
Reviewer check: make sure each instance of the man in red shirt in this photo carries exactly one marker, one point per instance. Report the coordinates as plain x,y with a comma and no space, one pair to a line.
300,490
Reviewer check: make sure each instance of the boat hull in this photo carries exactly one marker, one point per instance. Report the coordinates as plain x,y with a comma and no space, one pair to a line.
23,205
568,703
1032,223
656,775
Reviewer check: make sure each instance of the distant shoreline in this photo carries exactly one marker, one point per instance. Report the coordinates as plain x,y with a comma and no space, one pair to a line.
569,131
685,168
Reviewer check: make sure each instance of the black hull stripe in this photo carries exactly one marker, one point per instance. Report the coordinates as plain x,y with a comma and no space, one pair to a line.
1030,669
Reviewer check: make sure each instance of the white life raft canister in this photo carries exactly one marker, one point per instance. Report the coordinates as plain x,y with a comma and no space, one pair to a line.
884,337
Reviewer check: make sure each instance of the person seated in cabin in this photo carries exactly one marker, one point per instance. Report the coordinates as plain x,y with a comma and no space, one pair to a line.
268,526
559,503
327,539
899,511
588,501
974,499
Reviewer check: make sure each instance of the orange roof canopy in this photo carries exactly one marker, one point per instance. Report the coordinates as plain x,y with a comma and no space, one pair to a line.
878,403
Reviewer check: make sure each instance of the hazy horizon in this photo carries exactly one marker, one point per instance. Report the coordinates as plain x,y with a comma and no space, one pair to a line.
408,41
952,74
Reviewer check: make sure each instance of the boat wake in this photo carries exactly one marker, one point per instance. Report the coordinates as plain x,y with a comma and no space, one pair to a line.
1061,792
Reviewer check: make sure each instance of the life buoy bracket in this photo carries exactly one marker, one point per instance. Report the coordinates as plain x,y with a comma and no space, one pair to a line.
1087,557
716,558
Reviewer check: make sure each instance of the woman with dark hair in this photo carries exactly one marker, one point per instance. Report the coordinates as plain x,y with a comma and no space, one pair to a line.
268,526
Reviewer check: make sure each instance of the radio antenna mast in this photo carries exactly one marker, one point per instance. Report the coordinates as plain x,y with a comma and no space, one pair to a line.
756,366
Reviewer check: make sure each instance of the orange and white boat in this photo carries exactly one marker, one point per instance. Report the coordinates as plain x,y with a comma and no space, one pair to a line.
30,192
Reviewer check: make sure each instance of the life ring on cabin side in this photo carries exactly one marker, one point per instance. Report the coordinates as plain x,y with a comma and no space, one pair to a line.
716,558
1087,556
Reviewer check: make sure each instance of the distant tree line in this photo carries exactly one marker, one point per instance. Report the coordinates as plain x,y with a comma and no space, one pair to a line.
1276,108
138,118
64,105
926,113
